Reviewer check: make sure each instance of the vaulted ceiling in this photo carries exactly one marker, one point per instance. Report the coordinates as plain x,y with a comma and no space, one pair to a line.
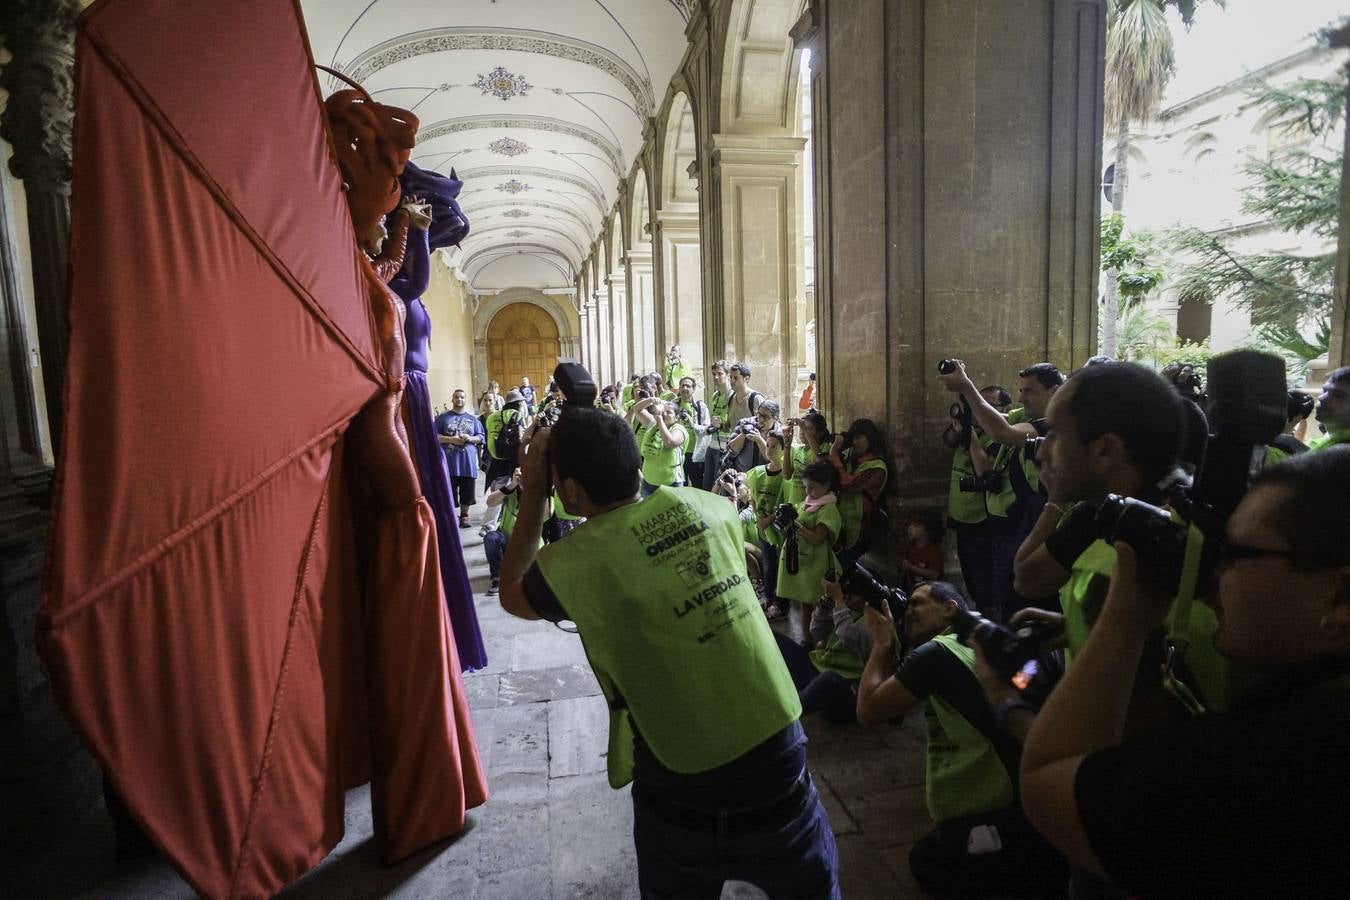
537,104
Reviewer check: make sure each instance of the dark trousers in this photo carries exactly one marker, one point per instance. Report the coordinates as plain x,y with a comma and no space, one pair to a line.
498,468
1008,534
684,856
1024,866
975,551
494,547
712,467
693,472
768,568
828,693
462,491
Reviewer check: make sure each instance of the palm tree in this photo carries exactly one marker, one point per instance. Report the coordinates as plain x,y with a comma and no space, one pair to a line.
1139,63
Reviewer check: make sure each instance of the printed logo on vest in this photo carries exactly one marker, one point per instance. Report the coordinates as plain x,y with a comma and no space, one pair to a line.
707,594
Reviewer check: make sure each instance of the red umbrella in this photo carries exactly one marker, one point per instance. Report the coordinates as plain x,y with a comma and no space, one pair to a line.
234,651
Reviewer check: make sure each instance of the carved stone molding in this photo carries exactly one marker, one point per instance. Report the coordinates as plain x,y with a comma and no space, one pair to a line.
40,114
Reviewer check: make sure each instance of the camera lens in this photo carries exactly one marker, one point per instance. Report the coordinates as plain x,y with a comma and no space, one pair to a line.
947,366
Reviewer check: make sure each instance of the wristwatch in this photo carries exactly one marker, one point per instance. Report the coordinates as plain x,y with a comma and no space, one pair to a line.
1007,707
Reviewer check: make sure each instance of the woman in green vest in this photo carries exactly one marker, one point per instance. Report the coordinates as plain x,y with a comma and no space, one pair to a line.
859,456
982,844
661,443
816,530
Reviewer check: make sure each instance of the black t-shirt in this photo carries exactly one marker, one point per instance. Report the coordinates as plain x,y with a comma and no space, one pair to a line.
757,776
932,670
1253,802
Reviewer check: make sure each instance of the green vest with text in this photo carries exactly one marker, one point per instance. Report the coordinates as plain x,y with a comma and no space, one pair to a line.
966,777
659,462
673,631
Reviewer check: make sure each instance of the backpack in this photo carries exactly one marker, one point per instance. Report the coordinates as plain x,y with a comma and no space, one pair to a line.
509,439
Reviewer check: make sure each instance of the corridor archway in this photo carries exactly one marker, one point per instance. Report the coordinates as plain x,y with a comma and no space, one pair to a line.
522,340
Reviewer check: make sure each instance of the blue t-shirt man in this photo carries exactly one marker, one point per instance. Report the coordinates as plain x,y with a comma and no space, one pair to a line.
462,437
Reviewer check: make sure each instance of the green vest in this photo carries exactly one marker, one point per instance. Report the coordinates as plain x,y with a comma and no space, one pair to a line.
833,656
964,507
674,372
965,777
794,490
659,462
850,505
626,395
998,503
689,429
561,512
495,422
510,506
1190,625
717,408
673,631
766,490
1330,439
813,560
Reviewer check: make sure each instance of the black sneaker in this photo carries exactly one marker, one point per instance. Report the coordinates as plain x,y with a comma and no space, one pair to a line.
494,587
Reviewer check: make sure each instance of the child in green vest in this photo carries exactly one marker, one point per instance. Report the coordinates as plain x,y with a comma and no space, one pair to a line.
765,484
815,531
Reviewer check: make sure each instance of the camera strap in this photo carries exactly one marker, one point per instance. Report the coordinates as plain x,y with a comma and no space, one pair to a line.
1179,635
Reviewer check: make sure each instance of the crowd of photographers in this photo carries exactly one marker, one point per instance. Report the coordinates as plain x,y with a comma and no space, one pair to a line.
1144,689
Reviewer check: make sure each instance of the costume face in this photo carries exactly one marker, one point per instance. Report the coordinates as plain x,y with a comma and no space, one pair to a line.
1333,405
1035,396
927,616
1065,457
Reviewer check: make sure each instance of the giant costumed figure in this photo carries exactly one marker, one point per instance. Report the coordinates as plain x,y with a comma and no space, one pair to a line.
244,612
448,227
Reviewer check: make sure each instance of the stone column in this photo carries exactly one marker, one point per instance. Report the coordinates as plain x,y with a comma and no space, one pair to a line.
38,121
963,205
758,185
641,312
604,325
619,335
682,319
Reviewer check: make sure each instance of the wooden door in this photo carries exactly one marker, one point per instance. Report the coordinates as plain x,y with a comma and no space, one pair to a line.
522,340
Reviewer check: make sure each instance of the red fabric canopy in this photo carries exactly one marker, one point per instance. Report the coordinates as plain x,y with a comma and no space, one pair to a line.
205,627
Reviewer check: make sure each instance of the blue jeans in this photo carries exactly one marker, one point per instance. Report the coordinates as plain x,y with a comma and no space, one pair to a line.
768,569
494,547
828,693
796,857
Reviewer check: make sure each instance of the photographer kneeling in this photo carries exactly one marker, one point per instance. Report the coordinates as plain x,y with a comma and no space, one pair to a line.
1250,802
982,844
703,714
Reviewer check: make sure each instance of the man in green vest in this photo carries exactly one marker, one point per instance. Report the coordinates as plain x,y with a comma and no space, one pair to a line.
1246,803
1014,508
982,844
703,714
1333,410
512,419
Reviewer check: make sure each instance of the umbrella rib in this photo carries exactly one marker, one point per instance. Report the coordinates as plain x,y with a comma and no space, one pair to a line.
175,140
207,518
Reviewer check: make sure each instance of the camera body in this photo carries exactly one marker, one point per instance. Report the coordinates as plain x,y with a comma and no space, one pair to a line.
784,516
989,482
1031,450
748,425
642,394
575,383
859,582
1018,656
947,366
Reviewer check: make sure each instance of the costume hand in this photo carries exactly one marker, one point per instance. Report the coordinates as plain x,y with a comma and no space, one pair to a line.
880,626
1049,617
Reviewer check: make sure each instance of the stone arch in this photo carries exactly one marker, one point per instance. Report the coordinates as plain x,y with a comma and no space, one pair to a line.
759,68
489,307
679,150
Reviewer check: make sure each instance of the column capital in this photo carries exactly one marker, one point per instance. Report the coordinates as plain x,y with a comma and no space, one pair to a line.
757,150
40,78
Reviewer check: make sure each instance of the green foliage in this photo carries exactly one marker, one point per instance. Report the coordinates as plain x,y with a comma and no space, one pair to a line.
1132,257
1299,191
1139,58
1196,354
1140,332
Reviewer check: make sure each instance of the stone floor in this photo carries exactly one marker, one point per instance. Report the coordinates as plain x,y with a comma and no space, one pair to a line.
553,828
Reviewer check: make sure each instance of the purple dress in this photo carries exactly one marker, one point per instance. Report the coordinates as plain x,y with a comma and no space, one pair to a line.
410,283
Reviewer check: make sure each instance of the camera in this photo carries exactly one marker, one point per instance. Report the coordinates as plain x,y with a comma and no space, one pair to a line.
784,520
548,417
642,394
1019,656
576,384
861,583
748,425
947,366
989,482
1032,448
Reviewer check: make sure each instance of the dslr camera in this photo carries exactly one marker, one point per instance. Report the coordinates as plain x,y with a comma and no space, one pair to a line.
748,425
784,520
861,583
989,482
1020,657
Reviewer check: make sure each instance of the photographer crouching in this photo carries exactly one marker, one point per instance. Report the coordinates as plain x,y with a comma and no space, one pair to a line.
983,844
1250,802
703,713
